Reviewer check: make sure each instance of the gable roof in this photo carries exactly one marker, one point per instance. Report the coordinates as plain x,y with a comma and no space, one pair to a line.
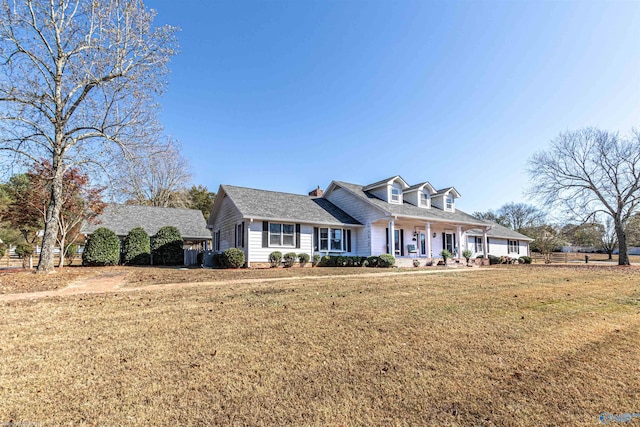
123,218
273,205
500,231
420,186
385,182
408,210
447,190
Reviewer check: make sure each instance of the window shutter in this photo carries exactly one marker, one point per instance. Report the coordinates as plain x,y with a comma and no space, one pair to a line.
444,241
348,240
265,234
315,239
518,246
242,234
235,241
298,236
387,235
488,244
454,243
401,242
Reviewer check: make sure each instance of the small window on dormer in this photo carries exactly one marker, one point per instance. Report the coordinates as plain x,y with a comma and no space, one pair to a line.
449,203
395,195
425,202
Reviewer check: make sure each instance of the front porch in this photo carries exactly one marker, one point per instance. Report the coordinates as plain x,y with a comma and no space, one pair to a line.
410,238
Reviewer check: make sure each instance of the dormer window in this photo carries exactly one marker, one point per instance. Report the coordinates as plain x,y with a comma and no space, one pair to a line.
425,200
449,203
395,195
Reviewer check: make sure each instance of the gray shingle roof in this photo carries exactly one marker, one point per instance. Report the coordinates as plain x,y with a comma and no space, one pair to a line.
264,204
382,182
122,218
500,231
406,209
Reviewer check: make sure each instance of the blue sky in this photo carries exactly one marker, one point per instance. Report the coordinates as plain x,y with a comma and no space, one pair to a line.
288,95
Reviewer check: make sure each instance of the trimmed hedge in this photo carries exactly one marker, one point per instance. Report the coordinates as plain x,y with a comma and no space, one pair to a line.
166,247
525,260
233,258
289,259
386,261
372,261
103,248
274,258
493,260
136,247
303,259
316,259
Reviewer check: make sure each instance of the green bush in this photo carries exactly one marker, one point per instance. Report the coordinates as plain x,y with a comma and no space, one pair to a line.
24,250
233,258
136,248
274,258
316,259
166,247
525,260
467,254
3,250
386,261
416,263
493,259
289,259
445,254
103,248
372,261
303,259
70,252
327,261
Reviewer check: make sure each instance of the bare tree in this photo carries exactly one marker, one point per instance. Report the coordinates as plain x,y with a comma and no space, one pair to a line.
78,84
519,216
609,238
159,178
589,172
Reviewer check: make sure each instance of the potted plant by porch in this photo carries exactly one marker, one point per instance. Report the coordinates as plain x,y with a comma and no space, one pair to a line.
445,254
467,255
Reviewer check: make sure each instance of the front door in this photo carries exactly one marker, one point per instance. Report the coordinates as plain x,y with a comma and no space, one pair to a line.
423,244
449,242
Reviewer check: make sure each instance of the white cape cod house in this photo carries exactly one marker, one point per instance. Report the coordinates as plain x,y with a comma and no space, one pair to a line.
389,216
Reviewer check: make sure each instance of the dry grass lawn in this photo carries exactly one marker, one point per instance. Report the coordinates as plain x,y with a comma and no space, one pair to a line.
517,345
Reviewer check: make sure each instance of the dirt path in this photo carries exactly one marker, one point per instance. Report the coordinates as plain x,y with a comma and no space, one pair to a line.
113,282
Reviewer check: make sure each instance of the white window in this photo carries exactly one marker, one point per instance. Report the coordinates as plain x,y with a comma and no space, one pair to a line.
449,203
324,239
514,246
478,244
282,235
395,195
425,201
332,239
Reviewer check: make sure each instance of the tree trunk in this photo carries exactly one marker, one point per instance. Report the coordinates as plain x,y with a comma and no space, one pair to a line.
45,265
61,263
623,252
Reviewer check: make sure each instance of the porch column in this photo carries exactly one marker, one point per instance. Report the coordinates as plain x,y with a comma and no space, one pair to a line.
392,242
429,254
484,242
459,241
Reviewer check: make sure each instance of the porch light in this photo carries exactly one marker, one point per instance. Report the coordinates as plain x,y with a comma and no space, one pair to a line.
434,234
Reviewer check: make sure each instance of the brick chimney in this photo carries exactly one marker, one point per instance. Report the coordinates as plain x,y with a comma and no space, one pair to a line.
316,193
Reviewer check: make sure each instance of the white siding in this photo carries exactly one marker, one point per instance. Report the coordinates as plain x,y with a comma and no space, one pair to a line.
382,193
259,254
225,221
499,247
367,238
